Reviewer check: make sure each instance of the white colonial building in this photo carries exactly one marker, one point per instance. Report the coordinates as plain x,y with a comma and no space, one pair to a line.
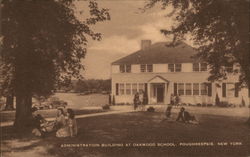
160,71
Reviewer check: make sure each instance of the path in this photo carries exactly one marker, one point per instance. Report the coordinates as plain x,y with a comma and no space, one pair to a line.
4,124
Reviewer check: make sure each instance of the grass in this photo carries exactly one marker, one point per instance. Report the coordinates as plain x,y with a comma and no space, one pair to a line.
10,116
139,127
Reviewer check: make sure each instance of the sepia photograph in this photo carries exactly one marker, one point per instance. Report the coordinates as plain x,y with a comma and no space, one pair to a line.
124,78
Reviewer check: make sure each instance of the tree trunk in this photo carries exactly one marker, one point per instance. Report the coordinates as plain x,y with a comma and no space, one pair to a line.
9,102
23,111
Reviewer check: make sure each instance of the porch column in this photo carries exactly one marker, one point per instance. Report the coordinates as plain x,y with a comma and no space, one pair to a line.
149,89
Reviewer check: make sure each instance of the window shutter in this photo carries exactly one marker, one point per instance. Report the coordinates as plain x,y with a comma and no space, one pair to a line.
117,88
146,88
249,92
175,89
236,90
224,90
209,89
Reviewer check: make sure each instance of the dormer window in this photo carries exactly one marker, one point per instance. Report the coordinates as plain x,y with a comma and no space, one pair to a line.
174,67
125,68
146,68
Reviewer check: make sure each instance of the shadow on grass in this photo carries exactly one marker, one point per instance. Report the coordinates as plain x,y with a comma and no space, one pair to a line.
143,127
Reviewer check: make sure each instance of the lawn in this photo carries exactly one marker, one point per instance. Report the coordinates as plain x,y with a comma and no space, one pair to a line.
138,128
49,113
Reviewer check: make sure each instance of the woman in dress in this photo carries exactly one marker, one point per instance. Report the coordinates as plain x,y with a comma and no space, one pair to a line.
70,128
60,121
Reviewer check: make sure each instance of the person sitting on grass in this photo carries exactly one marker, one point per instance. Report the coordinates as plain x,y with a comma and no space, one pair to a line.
185,117
60,121
36,123
168,111
70,129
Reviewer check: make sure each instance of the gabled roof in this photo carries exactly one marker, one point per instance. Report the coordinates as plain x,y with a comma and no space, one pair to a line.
160,53
159,79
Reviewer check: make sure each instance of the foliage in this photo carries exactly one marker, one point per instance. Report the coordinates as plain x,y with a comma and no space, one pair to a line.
91,85
106,107
219,29
42,44
151,109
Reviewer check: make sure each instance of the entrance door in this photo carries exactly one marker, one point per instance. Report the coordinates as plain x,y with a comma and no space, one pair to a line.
160,94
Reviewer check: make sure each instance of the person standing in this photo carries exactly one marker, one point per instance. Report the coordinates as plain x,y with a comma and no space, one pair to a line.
136,100
172,99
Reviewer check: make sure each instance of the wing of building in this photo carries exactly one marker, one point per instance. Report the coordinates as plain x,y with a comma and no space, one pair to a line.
160,71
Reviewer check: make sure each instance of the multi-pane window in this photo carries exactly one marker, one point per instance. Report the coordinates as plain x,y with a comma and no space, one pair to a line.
122,68
141,87
146,67
199,67
188,88
180,88
196,67
143,67
125,68
121,87
203,89
128,88
171,67
195,88
149,68
174,67
177,67
203,66
134,88
128,68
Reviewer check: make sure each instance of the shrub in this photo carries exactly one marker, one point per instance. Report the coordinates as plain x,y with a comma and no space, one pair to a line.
204,105
106,107
198,104
151,109
209,105
224,104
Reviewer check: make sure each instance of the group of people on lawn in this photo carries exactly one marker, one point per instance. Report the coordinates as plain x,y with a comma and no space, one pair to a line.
183,116
62,126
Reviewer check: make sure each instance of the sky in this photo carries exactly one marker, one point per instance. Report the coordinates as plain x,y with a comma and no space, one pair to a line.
122,35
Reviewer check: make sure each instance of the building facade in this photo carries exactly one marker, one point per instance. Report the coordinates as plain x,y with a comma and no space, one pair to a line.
161,70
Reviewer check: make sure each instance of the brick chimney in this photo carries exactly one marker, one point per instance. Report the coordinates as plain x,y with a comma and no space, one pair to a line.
145,44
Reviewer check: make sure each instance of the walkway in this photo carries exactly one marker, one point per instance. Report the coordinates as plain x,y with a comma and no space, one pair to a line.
10,123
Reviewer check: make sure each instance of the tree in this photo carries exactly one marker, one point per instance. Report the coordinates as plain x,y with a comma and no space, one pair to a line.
43,43
220,31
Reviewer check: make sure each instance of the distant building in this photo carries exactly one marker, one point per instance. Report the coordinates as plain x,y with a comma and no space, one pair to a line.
160,71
